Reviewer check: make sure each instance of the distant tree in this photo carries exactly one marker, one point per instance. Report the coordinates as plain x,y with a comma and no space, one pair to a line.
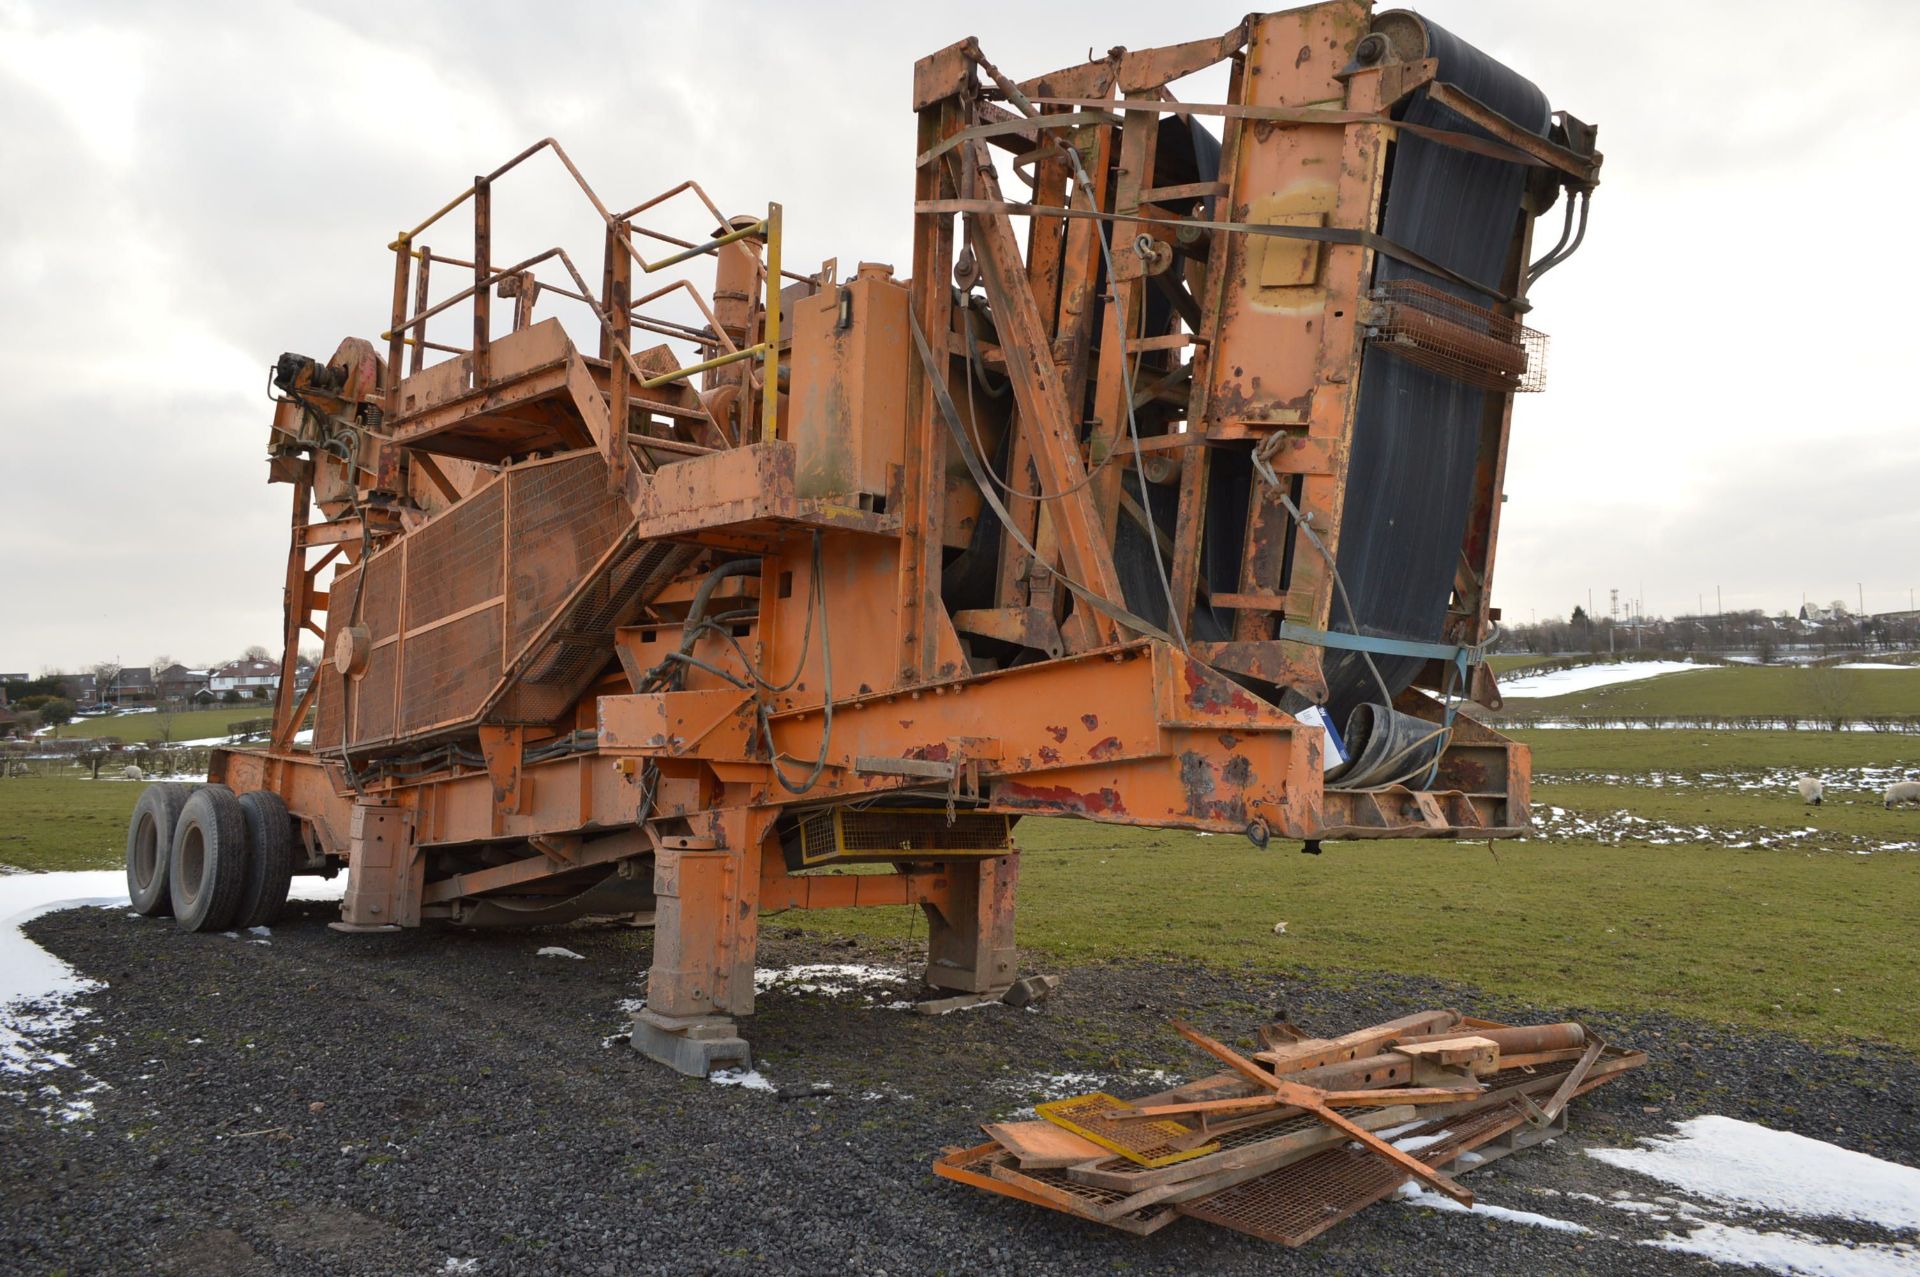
55,711
104,673
231,696
19,690
26,723
261,693
1764,645
99,752
162,662
1830,694
256,653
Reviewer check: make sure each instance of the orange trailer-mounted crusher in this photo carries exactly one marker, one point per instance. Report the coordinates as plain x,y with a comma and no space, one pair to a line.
1162,491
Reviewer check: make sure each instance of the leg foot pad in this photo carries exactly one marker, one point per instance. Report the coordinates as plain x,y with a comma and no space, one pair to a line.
695,1047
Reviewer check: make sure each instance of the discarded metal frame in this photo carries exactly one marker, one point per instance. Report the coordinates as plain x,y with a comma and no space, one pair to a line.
1295,1138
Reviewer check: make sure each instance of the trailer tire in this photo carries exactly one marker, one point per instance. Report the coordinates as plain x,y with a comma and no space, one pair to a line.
269,859
208,867
150,847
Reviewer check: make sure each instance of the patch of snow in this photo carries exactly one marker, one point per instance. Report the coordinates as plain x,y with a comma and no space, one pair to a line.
260,931
1584,678
555,951
1414,1195
1796,1254
1414,1143
745,1079
1751,1167
833,979
454,1265
1874,665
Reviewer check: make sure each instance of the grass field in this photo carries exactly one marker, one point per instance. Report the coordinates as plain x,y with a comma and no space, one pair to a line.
1817,944
1809,938
192,724
1623,752
61,823
1747,690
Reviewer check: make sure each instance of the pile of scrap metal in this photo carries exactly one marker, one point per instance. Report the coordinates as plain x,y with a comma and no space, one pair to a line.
1290,1141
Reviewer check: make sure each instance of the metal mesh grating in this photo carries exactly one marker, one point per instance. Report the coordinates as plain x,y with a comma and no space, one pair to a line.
453,563
1008,1166
1449,335
1303,1199
373,696
1155,1142
449,670
581,645
1245,1137
380,609
892,833
330,700
561,520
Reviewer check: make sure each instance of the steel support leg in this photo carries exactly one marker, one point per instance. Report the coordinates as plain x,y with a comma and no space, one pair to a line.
970,927
384,870
706,930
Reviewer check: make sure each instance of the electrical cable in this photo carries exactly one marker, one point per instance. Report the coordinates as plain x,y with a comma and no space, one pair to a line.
826,691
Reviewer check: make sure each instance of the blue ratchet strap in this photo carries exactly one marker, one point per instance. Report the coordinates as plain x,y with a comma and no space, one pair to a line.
1459,657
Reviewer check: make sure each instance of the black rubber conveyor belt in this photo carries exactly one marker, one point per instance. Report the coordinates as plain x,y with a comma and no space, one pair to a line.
1417,432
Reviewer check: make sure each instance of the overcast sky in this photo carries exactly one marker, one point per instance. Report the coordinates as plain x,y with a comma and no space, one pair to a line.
191,189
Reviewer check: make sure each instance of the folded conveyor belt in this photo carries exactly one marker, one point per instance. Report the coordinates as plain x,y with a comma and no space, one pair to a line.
1417,433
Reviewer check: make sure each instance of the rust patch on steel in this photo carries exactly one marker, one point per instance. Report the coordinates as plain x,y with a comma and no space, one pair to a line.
1212,695
1105,801
1090,721
1200,783
1105,749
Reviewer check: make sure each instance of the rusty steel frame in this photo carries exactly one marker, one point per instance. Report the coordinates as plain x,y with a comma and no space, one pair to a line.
675,747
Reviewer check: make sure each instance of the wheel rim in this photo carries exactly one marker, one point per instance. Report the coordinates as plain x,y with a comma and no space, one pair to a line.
146,851
193,861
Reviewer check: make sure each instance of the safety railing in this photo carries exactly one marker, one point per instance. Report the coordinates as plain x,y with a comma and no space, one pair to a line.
616,315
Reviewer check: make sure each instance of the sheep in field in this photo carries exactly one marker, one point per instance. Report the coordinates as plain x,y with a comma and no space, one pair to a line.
1905,791
1811,789
134,773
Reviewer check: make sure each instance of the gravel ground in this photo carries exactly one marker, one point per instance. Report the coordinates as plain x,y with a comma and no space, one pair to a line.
407,1103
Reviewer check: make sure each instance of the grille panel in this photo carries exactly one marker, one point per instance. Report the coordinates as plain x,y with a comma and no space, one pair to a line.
895,833
450,669
1449,335
453,563
330,700
562,519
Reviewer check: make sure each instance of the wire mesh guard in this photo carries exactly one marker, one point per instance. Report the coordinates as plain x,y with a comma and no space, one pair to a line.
1298,1202
901,833
1456,338
1153,1143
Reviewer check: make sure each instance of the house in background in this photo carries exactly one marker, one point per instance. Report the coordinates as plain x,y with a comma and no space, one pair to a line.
176,685
77,688
248,678
133,685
